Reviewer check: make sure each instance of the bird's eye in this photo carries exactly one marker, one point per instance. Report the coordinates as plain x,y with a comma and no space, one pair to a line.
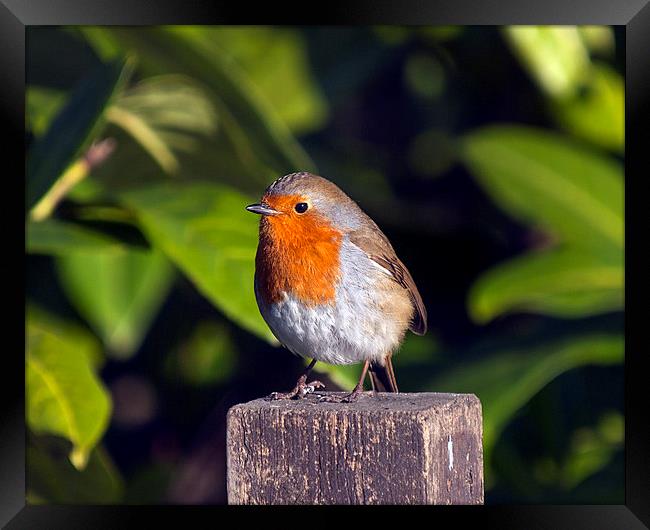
301,207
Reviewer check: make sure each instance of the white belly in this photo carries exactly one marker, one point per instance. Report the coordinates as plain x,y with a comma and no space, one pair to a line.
359,325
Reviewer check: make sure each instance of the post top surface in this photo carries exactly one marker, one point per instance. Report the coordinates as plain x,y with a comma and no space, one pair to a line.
367,402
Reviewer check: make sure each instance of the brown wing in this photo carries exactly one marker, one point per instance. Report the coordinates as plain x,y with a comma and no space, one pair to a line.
376,245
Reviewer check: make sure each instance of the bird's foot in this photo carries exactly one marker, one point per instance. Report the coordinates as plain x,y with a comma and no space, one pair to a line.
348,398
299,392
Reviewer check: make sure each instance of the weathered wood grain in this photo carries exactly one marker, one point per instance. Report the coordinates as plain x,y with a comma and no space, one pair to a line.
423,448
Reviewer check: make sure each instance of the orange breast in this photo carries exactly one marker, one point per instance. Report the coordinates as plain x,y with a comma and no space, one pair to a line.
298,254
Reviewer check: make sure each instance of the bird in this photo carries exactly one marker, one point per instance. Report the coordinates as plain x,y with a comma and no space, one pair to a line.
329,284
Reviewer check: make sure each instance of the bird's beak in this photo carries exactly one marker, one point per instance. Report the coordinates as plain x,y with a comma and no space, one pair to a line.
262,209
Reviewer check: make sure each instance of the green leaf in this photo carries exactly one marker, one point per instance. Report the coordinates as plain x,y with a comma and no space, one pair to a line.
83,340
273,57
42,105
563,283
204,229
526,373
74,128
102,42
119,294
555,56
165,114
544,178
591,450
425,76
63,238
64,395
54,480
597,114
259,135
599,39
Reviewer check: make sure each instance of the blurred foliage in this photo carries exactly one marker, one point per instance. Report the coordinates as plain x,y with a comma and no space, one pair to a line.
586,97
577,196
65,395
205,358
205,231
117,294
164,114
257,133
542,178
60,238
491,157
73,128
556,56
592,449
526,371
596,113
562,283
53,479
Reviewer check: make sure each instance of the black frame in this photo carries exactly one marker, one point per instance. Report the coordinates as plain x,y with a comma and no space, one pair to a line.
15,15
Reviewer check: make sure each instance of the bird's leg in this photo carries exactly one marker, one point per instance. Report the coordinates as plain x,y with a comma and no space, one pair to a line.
301,389
352,396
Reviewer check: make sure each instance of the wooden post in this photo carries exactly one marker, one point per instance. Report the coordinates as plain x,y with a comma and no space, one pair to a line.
423,448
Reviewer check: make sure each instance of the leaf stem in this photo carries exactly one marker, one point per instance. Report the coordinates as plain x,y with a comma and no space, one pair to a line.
97,153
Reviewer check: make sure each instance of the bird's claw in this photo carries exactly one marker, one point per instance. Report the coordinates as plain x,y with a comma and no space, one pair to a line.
297,393
349,398
310,388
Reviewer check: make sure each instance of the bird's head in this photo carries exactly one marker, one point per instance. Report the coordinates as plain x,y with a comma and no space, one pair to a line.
303,203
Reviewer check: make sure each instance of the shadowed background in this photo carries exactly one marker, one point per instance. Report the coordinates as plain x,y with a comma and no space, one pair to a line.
491,157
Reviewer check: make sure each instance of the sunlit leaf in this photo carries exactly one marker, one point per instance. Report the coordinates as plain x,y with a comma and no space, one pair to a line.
64,395
555,56
118,294
599,39
597,113
204,229
70,332
54,480
74,128
506,380
63,238
546,179
563,283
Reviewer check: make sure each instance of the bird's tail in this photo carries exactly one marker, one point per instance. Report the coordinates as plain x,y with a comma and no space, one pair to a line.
383,377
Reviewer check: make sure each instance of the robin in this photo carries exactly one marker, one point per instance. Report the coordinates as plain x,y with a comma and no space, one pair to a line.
329,284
